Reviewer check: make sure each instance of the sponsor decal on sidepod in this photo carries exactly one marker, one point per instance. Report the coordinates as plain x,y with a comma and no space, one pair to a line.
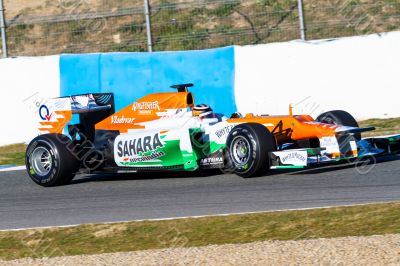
138,146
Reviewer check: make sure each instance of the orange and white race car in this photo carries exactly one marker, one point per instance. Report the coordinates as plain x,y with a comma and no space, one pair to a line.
168,131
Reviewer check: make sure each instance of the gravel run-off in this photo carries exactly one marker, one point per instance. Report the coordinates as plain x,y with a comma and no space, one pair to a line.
373,250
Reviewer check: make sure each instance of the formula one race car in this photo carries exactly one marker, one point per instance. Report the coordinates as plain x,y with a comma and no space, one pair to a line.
167,131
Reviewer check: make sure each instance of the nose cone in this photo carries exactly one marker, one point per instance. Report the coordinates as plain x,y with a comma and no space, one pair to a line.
309,129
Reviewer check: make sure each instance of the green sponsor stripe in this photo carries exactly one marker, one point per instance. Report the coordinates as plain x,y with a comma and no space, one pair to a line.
173,154
287,167
394,140
190,160
141,164
314,152
214,147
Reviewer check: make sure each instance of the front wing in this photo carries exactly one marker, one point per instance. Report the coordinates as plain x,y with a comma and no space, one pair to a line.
367,147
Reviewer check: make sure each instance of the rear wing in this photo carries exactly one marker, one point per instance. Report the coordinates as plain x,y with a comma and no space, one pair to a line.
94,102
55,114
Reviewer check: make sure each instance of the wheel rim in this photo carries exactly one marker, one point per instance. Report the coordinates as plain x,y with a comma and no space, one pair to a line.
41,161
240,150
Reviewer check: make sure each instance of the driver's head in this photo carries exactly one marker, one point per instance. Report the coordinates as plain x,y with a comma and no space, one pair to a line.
203,111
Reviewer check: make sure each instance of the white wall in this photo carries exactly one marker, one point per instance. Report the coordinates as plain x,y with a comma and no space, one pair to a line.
357,74
23,82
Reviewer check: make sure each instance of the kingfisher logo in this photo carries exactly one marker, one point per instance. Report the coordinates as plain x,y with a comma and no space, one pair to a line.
146,106
44,113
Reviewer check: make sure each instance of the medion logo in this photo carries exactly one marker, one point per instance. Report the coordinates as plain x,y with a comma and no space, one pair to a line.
136,146
146,106
293,156
121,120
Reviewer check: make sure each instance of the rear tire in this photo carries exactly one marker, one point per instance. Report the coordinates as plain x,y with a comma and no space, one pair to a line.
248,147
49,162
339,117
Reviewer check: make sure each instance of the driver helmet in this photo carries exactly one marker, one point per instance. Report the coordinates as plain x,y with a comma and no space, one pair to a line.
203,111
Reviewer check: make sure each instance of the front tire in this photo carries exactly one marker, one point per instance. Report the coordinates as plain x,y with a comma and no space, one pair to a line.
248,147
49,161
339,117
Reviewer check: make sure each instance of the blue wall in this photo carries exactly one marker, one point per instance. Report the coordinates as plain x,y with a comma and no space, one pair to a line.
131,76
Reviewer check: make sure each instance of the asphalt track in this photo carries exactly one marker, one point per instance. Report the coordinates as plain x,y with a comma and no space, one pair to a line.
96,199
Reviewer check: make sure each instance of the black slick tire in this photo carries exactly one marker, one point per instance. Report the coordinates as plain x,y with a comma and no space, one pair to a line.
50,160
339,117
248,147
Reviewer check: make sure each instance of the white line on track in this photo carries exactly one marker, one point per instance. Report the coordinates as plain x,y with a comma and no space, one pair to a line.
197,217
10,169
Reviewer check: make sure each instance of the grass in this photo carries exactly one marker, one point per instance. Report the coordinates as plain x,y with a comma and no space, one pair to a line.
12,154
132,236
383,126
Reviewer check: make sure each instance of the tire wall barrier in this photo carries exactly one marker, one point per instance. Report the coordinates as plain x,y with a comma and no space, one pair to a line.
131,76
357,74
